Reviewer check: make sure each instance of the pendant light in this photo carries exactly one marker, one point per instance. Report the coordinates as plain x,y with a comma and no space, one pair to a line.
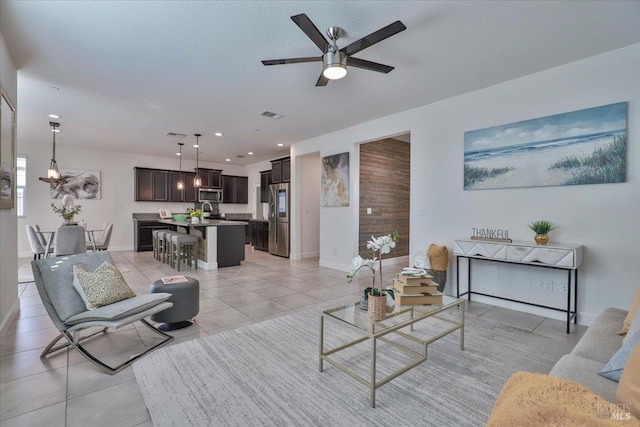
53,173
180,184
197,181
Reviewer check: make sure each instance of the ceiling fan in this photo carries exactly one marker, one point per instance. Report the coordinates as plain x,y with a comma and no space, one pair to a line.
335,61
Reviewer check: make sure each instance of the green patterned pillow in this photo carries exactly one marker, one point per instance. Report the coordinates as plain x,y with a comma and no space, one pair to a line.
101,287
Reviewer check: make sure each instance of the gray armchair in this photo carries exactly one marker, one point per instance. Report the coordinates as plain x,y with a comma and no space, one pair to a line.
54,280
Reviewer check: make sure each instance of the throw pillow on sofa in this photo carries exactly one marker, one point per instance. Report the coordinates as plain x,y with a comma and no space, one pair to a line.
615,365
632,312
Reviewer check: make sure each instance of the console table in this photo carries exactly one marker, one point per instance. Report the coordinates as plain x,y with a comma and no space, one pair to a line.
557,256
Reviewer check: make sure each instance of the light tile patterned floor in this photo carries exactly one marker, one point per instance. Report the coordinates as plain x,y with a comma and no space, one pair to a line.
66,390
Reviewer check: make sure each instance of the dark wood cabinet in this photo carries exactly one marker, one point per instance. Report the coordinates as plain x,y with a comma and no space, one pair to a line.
286,169
190,192
158,185
276,171
265,181
151,184
235,189
259,235
215,179
175,195
143,237
281,170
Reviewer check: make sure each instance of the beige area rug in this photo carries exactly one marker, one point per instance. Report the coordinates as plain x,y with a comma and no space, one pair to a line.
267,375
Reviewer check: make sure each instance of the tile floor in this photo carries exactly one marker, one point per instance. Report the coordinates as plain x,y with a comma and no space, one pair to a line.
66,390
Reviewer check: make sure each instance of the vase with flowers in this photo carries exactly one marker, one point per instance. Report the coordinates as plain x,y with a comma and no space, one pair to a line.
376,296
67,210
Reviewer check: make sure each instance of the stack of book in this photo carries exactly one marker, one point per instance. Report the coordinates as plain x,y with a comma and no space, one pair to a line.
416,289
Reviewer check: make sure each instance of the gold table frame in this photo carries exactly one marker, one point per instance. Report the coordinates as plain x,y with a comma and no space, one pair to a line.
402,317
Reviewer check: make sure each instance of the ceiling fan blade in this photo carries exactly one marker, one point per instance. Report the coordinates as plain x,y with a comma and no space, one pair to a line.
373,38
292,60
311,31
368,65
322,80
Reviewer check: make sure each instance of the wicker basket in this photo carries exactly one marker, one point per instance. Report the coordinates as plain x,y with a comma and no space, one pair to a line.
377,309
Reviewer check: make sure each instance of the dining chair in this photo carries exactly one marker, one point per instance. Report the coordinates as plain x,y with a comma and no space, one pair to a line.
102,240
69,240
37,247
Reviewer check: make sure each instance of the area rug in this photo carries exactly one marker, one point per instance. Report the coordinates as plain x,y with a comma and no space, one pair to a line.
267,375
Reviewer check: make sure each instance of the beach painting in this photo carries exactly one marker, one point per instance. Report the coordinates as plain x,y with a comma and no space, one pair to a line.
79,184
581,147
334,180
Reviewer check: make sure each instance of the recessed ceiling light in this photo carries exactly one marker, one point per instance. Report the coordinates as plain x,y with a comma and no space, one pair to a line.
178,154
250,153
227,160
196,146
218,134
280,144
55,130
54,116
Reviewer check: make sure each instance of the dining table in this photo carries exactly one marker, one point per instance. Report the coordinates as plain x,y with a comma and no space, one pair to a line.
51,234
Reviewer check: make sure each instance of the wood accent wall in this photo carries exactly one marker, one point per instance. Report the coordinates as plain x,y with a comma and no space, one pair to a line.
385,188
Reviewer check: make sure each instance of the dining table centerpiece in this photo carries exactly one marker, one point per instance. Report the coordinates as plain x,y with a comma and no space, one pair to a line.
67,209
376,296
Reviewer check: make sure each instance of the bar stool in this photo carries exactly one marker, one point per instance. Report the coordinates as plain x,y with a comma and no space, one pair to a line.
162,244
154,234
184,247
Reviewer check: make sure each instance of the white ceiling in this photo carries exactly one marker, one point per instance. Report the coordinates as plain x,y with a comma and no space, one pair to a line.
131,71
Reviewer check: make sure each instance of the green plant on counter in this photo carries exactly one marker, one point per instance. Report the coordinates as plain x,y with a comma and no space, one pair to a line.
541,227
195,213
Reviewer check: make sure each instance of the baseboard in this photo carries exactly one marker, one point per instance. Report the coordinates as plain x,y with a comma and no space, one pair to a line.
9,318
401,260
29,254
314,254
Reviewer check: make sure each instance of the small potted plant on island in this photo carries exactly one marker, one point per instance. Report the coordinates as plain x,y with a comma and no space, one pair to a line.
377,298
542,229
196,215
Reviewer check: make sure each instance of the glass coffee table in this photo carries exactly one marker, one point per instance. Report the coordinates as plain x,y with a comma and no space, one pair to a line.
352,317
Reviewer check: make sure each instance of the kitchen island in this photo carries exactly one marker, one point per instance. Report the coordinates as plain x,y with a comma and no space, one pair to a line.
221,242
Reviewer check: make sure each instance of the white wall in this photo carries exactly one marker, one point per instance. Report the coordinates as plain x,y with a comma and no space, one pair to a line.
117,187
601,217
310,206
8,258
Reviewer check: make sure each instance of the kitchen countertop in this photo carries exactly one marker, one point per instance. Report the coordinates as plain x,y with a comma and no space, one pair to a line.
203,223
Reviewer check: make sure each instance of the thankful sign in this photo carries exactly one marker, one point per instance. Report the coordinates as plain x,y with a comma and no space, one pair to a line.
493,234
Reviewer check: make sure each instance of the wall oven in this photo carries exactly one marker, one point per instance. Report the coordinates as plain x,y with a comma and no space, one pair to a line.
209,195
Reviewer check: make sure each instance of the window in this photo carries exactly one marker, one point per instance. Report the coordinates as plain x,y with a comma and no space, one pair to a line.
21,184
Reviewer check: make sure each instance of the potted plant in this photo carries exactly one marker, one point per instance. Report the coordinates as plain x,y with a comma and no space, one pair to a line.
67,212
542,229
196,215
377,296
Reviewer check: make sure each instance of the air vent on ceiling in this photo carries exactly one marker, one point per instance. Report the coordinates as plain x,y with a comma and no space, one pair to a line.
240,156
176,135
271,115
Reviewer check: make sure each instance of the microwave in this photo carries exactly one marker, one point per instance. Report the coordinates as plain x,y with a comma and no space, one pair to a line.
209,195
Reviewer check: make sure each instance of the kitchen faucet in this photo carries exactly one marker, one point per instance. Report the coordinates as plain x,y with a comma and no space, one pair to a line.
210,207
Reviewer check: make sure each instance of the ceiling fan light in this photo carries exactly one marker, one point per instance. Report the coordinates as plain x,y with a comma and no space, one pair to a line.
335,65
334,72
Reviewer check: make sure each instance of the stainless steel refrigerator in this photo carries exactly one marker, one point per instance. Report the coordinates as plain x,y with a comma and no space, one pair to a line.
279,219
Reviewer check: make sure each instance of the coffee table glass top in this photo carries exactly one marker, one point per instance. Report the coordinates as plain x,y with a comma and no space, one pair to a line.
353,315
